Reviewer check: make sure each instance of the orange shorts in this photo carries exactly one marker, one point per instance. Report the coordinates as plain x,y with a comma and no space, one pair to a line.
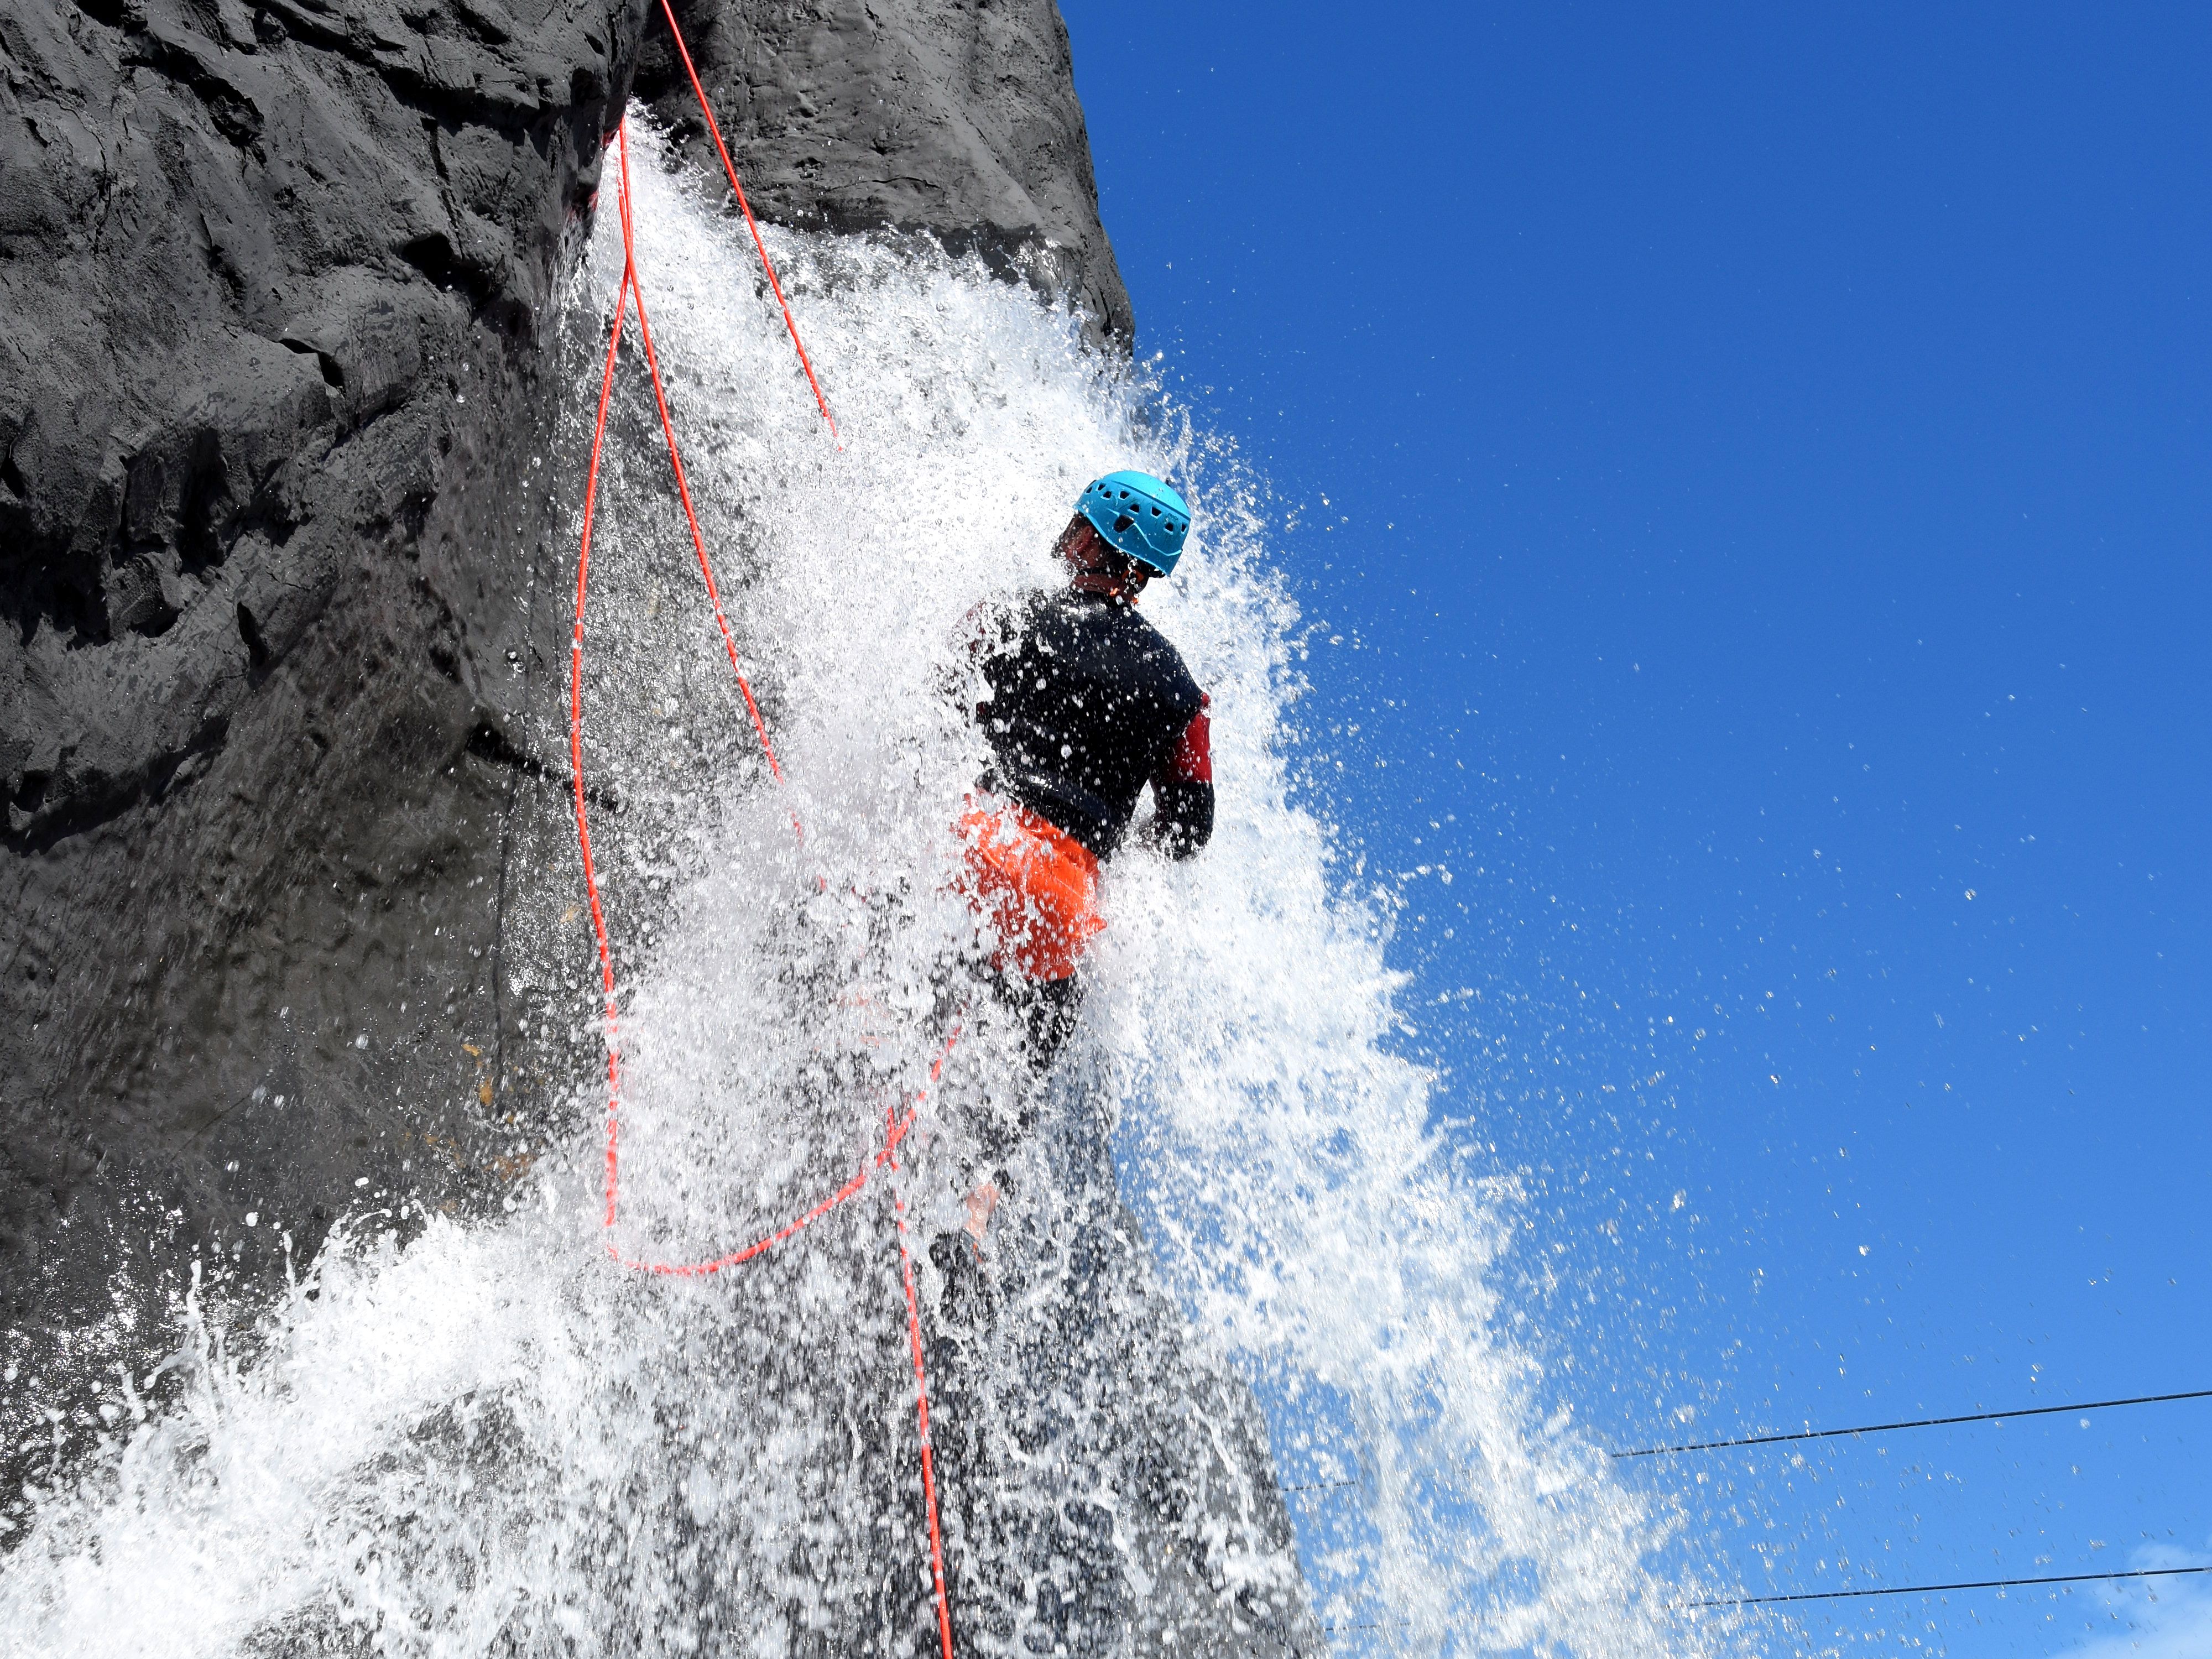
1034,882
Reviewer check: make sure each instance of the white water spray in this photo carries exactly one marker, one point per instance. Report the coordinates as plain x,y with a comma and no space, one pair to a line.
496,1442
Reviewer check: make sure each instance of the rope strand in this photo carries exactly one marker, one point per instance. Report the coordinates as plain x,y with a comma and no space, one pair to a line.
676,461
896,1127
746,208
921,1410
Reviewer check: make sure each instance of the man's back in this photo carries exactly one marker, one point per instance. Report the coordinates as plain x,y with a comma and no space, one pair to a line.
1089,703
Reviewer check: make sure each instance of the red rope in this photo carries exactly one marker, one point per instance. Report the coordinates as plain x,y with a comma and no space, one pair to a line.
576,736
921,1410
675,460
896,1127
745,208
852,1188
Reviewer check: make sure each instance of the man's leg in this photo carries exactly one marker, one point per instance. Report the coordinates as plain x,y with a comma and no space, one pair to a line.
1049,1012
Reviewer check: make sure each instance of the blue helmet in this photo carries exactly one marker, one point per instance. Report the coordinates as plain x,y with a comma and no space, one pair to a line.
1139,515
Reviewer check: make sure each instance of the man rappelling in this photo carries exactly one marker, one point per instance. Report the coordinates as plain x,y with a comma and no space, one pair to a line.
1087,703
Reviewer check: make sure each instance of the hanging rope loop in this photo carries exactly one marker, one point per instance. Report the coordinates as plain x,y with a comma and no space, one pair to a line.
897,1124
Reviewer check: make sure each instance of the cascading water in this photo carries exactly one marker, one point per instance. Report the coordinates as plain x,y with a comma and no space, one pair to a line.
495,1440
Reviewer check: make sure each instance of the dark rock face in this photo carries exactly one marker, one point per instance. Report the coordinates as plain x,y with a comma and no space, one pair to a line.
276,279
955,117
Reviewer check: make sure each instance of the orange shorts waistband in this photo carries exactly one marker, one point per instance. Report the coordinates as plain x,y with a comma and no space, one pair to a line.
1033,882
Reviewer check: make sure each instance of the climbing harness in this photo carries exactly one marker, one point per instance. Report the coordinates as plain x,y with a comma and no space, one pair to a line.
897,1124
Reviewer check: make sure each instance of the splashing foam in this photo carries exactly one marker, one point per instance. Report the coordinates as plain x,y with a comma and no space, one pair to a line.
494,1441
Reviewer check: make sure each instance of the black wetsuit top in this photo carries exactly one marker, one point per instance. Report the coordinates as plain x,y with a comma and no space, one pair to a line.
1088,704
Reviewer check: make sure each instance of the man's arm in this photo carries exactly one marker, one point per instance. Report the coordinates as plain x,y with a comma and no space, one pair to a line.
958,678
1183,789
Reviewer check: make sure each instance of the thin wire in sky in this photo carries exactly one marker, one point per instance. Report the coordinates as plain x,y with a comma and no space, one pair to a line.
1916,1423
1937,1590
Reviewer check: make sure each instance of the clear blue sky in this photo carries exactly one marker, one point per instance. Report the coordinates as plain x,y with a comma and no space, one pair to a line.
1767,450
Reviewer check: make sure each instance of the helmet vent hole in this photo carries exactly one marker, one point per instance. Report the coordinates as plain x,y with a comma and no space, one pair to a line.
1122,523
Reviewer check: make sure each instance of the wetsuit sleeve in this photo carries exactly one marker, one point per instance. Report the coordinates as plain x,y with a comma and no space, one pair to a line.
1183,789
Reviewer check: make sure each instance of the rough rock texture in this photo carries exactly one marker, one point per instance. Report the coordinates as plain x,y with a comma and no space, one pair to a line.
954,117
276,279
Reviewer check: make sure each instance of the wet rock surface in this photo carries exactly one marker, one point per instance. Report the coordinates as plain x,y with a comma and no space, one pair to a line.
955,117
278,280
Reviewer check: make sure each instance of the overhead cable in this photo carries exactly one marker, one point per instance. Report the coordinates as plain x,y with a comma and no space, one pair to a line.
1937,1590
1916,1423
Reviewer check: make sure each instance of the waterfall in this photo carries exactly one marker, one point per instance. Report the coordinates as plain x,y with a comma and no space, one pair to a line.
464,1436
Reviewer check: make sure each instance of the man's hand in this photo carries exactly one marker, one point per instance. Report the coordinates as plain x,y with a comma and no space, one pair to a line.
981,1203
